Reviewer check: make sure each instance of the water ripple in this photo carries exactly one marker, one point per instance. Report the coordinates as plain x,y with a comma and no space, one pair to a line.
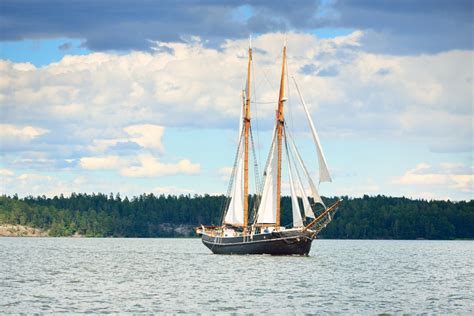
66,275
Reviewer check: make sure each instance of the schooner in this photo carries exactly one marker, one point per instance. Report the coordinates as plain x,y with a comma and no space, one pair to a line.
263,233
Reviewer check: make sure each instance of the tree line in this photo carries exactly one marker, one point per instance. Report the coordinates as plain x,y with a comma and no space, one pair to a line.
149,215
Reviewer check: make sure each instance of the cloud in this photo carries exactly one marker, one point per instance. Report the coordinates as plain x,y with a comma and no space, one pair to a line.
14,137
93,95
125,25
6,173
143,165
225,173
149,166
106,103
389,26
15,133
36,184
172,190
364,186
65,46
109,105
146,135
455,176
406,27
101,163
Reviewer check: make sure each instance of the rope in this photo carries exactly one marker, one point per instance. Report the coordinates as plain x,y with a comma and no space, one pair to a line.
256,120
290,105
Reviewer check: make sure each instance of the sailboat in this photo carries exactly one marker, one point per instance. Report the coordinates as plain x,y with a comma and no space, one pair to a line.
262,233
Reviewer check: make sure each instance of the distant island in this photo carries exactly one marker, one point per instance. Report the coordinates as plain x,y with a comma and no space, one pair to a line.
148,215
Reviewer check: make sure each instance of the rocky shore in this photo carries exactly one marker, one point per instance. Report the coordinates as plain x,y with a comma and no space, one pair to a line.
8,230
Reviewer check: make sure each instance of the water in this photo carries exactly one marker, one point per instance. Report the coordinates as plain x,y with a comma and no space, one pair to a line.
181,275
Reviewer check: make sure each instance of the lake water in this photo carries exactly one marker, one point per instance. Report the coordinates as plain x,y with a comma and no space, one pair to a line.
181,275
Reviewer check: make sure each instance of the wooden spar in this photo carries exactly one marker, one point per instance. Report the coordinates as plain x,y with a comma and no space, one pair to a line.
317,219
246,145
280,121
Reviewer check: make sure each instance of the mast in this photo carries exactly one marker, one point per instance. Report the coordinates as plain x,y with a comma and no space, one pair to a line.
246,143
280,124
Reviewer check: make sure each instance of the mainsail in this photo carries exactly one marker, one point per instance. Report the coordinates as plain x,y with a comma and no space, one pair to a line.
267,207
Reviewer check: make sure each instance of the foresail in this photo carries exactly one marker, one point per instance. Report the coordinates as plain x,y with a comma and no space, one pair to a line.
324,175
235,211
312,186
267,208
308,211
297,220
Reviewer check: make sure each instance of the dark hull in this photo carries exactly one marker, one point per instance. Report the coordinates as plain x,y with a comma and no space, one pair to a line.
276,243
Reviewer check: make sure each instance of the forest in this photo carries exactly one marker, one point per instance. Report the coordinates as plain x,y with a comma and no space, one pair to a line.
148,215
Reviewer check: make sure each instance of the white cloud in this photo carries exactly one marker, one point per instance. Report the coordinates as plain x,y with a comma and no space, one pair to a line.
101,145
225,173
93,103
146,135
144,165
30,176
12,134
6,173
6,179
101,163
37,184
454,176
172,190
149,166
368,186
416,96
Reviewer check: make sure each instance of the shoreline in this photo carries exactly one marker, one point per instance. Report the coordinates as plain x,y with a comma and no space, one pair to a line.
11,230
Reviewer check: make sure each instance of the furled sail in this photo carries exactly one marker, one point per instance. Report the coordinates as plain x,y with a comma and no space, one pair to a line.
267,208
235,212
297,220
324,175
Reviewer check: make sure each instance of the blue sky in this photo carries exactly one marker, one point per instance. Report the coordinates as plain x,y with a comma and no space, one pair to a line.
144,96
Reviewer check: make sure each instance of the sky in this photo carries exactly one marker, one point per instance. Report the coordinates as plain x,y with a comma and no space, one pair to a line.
144,96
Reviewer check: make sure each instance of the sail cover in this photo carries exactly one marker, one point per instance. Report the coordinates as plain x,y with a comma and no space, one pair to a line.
324,175
235,212
267,207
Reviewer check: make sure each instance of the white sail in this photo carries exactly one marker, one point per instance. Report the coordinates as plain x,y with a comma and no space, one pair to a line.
267,208
314,191
308,211
235,212
324,175
297,220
